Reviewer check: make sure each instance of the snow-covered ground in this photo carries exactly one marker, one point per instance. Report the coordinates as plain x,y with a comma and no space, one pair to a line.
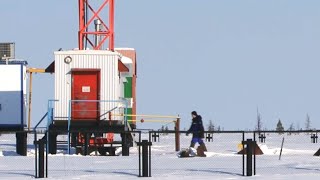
222,161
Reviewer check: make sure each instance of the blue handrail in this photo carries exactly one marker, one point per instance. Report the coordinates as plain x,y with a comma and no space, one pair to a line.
43,117
50,117
50,111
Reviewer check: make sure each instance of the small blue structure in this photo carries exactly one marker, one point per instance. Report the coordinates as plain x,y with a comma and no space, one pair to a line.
13,95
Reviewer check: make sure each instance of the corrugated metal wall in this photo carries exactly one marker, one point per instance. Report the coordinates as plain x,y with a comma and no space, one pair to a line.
106,61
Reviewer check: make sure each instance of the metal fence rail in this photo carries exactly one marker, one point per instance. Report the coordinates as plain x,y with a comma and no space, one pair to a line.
224,158
218,143
287,151
13,164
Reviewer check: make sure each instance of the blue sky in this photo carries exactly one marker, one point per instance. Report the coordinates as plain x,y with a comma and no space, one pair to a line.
221,58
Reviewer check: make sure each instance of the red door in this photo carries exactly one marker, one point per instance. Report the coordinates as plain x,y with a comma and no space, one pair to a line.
85,86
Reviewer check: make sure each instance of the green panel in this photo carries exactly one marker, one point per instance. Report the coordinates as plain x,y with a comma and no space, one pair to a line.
129,111
128,88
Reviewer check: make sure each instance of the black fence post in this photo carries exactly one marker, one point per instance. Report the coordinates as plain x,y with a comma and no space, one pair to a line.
149,146
262,138
35,155
21,143
209,137
40,159
146,158
249,150
155,136
139,151
243,164
314,138
249,157
125,145
254,153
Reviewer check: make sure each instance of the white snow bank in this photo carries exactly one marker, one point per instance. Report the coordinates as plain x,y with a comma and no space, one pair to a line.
276,151
213,154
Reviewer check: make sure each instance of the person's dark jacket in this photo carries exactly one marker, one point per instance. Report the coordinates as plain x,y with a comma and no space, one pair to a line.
196,127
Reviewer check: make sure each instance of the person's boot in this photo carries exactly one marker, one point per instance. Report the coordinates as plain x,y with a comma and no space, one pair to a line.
203,146
200,151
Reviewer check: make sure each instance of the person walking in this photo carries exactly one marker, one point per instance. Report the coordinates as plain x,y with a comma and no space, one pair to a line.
197,131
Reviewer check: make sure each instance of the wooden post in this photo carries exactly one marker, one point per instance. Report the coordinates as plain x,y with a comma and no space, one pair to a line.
177,134
29,104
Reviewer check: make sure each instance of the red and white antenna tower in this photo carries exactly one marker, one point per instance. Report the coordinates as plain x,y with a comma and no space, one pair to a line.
93,29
